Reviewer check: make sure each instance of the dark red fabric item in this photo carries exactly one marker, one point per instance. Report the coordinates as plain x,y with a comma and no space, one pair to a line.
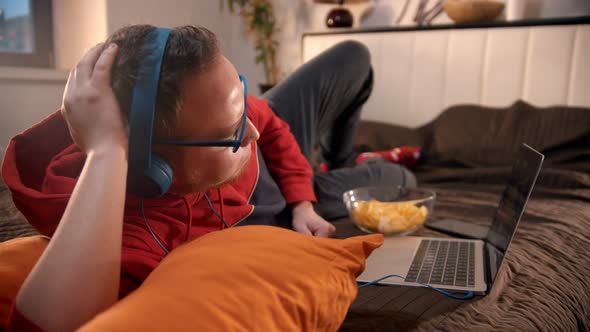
405,155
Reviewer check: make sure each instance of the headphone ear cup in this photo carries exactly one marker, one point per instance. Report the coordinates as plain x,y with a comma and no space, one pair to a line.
154,182
159,177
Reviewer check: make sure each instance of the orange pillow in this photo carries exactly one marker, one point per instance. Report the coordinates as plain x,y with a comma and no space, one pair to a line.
17,258
249,278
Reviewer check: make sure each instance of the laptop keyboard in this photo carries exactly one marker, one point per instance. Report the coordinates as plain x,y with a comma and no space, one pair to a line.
443,262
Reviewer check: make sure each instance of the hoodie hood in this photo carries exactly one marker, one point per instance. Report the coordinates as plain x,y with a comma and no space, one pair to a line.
40,167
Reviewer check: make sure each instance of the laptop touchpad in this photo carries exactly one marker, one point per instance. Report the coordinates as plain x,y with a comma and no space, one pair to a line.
394,257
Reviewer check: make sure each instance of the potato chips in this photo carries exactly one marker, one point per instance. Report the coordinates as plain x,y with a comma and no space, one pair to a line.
389,217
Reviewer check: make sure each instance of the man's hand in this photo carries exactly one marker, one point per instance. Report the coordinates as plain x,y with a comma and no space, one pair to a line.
307,221
89,104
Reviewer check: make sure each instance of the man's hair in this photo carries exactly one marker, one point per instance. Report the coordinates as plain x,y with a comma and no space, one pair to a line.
190,50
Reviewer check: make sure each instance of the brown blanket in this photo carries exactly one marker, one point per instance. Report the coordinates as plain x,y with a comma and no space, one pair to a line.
12,222
542,286
545,281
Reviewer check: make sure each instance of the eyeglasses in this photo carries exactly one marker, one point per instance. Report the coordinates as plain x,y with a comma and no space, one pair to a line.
238,135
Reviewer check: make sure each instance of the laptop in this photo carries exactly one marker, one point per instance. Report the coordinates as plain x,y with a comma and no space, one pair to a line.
459,264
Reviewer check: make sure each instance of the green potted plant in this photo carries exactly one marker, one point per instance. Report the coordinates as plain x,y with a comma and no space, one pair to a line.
261,27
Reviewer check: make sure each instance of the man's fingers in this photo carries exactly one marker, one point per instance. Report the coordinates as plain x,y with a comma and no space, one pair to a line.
303,229
325,231
104,65
69,84
86,64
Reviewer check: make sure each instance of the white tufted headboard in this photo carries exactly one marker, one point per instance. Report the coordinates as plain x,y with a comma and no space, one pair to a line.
419,72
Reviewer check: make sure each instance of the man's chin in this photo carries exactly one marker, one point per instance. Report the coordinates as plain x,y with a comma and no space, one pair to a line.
188,187
232,178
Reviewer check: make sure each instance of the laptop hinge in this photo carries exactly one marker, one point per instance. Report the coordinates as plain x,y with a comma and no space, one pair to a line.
487,267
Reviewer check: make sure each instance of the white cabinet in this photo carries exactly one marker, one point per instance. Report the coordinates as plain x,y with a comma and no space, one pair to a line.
419,72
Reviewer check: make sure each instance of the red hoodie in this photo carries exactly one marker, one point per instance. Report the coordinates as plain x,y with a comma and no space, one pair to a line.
41,167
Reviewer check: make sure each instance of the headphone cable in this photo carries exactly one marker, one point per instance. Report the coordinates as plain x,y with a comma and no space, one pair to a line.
214,211
151,231
467,296
156,237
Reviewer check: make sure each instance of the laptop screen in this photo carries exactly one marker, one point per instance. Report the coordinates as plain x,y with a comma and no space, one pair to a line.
512,204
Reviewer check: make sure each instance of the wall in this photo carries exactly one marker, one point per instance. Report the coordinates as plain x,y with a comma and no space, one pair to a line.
82,24
27,96
77,26
228,27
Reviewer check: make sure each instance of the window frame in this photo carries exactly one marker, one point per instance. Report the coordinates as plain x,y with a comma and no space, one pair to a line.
42,55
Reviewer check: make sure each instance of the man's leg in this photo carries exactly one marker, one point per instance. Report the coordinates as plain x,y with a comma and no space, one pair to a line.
330,186
322,100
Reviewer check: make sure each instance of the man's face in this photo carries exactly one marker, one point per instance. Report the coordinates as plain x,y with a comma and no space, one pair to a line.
212,109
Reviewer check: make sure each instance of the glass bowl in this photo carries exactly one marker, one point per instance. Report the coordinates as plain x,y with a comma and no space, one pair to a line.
389,210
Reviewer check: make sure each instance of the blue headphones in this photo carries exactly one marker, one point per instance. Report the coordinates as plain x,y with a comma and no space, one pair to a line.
149,175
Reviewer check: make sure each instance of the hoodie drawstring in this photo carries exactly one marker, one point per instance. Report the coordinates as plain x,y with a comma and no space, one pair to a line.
215,212
166,251
189,224
221,207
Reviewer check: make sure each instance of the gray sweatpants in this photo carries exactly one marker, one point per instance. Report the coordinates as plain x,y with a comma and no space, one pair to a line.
322,102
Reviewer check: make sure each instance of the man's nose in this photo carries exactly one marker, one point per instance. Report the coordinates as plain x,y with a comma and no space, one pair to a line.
251,133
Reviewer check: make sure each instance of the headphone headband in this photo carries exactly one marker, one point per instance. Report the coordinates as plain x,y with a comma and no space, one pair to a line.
143,109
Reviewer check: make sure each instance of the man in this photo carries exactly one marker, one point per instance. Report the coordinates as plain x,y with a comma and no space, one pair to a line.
68,173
